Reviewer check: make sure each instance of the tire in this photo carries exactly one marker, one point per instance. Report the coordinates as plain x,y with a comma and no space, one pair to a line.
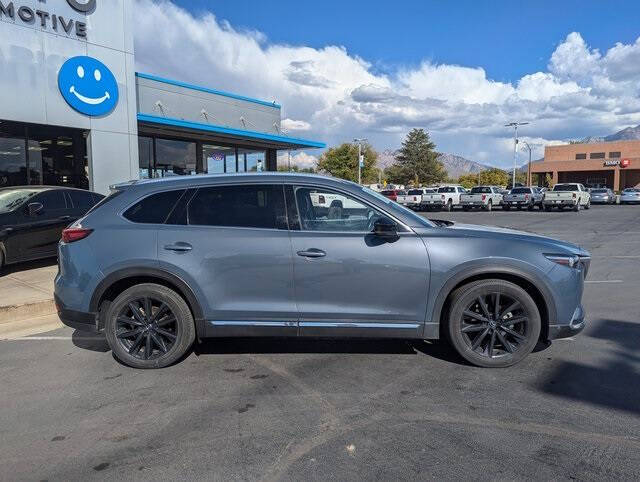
505,207
143,348
530,207
489,207
577,207
449,206
1,258
512,342
541,206
547,208
588,205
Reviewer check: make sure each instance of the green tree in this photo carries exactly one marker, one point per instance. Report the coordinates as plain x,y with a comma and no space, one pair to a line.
488,177
417,160
342,162
395,174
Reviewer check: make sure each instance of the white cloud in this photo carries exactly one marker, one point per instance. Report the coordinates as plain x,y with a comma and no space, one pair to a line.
332,95
295,125
301,159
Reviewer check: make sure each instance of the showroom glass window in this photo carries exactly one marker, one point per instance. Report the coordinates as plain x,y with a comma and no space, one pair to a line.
145,153
36,154
252,159
218,159
175,158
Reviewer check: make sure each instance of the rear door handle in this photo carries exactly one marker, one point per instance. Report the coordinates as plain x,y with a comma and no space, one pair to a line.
64,218
312,253
180,246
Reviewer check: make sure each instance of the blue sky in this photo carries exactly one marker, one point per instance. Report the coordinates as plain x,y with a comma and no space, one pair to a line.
460,70
507,38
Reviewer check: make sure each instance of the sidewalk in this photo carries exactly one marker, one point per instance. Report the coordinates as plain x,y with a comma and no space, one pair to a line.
26,297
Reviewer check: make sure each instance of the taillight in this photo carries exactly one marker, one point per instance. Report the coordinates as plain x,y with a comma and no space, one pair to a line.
442,196
574,195
526,197
484,196
321,199
70,235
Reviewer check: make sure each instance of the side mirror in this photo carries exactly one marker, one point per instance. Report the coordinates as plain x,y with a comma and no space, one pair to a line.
34,208
385,228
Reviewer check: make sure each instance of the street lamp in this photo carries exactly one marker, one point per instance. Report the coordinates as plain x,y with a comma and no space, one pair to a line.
530,148
360,158
515,146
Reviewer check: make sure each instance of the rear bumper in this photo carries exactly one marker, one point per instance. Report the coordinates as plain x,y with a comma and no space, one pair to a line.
576,325
77,319
558,202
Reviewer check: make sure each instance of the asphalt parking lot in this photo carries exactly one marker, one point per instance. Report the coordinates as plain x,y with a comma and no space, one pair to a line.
344,410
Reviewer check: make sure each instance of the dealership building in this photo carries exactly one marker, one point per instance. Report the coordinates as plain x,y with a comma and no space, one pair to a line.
74,112
612,164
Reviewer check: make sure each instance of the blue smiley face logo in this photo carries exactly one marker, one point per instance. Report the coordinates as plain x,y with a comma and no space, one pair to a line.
88,86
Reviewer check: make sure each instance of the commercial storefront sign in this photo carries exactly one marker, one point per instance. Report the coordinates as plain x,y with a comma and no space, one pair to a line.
50,20
617,162
88,86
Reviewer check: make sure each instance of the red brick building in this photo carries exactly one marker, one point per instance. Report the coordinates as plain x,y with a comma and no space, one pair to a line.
612,164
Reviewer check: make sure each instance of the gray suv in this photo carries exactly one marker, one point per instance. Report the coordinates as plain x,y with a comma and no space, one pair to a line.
159,263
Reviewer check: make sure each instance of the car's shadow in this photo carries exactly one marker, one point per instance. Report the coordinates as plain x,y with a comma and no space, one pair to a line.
27,265
612,384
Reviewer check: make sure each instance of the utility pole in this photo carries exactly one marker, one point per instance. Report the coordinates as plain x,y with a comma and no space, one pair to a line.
515,147
360,158
528,147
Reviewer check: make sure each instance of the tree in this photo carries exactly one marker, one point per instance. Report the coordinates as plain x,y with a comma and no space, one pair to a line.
342,162
417,160
488,177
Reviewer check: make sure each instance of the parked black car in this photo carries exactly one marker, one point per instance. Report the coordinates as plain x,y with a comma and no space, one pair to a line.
33,217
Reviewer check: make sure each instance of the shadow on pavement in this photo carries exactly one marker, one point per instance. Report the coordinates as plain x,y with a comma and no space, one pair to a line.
28,265
90,341
615,384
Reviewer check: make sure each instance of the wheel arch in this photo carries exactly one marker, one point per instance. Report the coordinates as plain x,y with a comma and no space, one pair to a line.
118,281
530,283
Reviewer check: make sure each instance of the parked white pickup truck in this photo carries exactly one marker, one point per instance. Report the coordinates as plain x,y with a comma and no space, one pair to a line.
413,198
569,195
446,198
483,197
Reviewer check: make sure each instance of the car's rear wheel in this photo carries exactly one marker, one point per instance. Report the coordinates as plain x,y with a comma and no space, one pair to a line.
506,207
588,205
149,326
449,206
493,323
577,206
489,205
1,258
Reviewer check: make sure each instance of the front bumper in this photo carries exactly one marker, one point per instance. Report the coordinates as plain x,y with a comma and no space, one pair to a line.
76,319
576,325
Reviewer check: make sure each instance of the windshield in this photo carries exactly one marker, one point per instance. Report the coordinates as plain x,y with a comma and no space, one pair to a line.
12,198
481,190
414,192
631,189
565,187
447,189
520,190
599,190
398,208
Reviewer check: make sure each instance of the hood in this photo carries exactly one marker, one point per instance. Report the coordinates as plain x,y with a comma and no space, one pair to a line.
498,233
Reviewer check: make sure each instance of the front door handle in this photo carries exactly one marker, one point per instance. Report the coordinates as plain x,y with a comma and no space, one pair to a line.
64,218
179,246
312,253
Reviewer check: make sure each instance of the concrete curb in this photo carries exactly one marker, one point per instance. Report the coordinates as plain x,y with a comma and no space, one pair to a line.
12,313
33,326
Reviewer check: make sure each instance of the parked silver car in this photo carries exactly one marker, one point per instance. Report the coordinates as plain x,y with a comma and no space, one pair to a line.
631,195
602,195
161,263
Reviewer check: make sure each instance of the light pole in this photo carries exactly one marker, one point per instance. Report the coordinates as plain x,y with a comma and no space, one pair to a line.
529,148
360,158
515,147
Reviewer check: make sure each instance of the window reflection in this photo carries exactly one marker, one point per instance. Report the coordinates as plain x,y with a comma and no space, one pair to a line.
175,158
252,160
218,159
145,153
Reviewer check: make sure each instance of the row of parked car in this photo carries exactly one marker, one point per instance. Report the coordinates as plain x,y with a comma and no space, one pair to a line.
573,196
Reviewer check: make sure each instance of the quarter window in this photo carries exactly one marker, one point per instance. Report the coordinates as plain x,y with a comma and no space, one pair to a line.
52,200
326,210
153,209
81,199
241,206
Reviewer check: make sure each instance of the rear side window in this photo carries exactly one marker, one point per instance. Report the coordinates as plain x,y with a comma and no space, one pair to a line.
81,199
242,206
153,209
52,200
447,189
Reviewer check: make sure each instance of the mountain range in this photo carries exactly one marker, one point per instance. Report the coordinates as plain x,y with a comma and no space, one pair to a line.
628,134
454,165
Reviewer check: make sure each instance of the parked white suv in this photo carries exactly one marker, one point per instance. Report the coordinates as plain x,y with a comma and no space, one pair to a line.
484,197
446,198
567,195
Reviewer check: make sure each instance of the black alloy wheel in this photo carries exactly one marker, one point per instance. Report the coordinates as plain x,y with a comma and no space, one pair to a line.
149,326
493,323
146,328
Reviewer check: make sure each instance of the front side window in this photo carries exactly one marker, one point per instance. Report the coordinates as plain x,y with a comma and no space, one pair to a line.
12,198
241,206
153,209
326,210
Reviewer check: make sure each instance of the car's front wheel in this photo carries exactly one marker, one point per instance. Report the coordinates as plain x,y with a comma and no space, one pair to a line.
493,323
149,326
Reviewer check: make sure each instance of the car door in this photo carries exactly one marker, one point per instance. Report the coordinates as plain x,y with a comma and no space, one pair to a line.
348,281
231,244
36,235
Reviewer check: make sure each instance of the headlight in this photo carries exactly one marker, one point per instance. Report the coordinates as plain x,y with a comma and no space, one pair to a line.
570,260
